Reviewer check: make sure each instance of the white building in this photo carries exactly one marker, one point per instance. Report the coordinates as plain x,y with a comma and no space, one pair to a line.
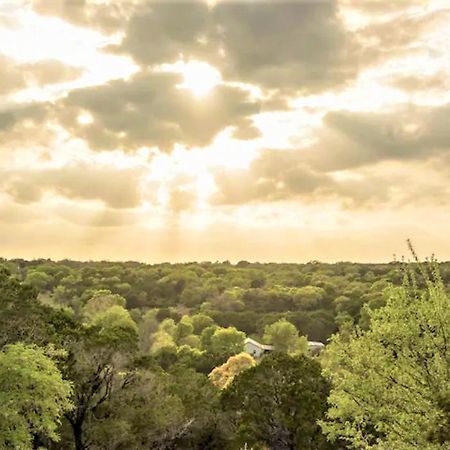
315,347
256,349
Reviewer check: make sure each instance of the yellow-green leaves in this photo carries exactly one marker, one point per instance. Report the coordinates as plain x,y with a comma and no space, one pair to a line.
33,396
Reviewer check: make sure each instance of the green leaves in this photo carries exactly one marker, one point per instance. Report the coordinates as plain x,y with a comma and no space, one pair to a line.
33,396
283,335
278,402
391,383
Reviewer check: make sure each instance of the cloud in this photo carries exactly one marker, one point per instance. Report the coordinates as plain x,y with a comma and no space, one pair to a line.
435,83
289,45
108,16
351,139
50,71
159,32
24,125
116,188
13,213
359,159
96,217
275,175
15,76
150,110
285,44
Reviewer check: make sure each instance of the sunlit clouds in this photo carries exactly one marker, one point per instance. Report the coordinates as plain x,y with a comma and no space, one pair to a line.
202,130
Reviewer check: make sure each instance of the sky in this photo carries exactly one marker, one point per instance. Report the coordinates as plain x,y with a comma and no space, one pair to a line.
197,130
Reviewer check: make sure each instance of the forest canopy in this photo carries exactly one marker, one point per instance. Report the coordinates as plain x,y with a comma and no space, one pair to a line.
129,355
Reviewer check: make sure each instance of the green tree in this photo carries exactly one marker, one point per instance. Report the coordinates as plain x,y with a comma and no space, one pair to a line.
278,402
37,279
147,328
227,341
184,328
283,335
98,366
33,397
391,382
201,321
100,301
116,328
24,319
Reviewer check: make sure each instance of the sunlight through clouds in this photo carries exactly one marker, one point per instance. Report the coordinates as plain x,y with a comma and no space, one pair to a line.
238,116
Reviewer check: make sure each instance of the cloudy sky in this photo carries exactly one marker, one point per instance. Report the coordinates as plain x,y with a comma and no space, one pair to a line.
212,130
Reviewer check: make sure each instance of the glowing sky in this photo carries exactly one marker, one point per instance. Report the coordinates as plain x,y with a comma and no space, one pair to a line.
192,130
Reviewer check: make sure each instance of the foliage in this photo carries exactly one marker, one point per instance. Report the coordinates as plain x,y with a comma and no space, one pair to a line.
227,341
100,301
223,375
33,396
137,343
283,335
278,402
391,383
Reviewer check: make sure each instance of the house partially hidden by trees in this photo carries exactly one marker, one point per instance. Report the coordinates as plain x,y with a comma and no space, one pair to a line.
257,349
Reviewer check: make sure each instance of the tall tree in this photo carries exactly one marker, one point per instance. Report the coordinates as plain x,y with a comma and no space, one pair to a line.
283,335
391,383
278,402
99,367
33,397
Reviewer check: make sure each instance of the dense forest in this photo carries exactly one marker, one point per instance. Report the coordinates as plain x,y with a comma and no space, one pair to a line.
107,355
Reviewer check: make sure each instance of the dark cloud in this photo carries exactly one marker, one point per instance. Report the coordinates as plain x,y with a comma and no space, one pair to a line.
284,44
23,124
161,31
149,109
350,139
289,45
108,16
116,188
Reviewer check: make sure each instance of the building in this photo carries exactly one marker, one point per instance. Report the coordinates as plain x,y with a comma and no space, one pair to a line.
315,347
256,349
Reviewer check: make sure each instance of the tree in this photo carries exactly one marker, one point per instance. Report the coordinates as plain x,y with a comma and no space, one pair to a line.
116,328
390,383
98,365
33,396
278,402
147,327
100,301
201,321
223,375
162,340
37,279
309,297
184,328
24,319
168,326
283,335
227,341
